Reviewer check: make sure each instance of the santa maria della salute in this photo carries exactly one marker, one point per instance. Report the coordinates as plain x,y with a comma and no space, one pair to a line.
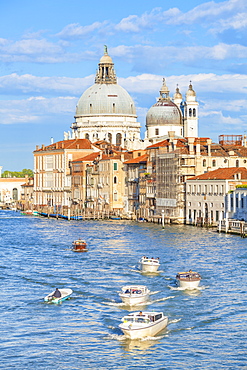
106,111
103,168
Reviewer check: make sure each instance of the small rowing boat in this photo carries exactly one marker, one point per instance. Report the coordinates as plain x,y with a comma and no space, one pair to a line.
55,298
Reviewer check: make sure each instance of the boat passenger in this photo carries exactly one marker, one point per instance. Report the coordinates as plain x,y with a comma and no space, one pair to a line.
57,293
127,291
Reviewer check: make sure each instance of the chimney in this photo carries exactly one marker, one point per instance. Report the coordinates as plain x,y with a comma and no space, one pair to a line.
43,147
191,145
209,142
37,147
171,135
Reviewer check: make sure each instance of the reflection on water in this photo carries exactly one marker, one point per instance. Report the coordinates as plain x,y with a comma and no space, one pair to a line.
82,332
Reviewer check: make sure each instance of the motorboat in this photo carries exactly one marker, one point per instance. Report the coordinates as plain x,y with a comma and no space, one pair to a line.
79,245
188,280
134,294
149,264
143,324
65,294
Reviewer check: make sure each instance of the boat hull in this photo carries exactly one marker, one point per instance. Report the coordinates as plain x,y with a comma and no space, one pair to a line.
137,332
149,267
79,246
134,300
188,284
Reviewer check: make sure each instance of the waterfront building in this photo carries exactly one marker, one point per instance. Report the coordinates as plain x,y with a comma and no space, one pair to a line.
172,161
106,111
211,197
135,169
10,191
52,174
26,201
236,203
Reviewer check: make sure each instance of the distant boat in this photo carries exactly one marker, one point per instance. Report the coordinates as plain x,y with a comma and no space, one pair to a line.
188,280
149,264
65,294
115,217
134,294
79,245
143,324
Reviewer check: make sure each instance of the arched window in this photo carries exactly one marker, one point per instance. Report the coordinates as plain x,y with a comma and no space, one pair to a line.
214,163
237,163
156,131
109,137
91,108
190,112
194,112
115,180
87,136
204,162
15,194
119,139
113,108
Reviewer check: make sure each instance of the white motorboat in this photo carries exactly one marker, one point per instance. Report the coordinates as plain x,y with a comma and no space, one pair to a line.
65,294
143,324
188,280
134,294
149,264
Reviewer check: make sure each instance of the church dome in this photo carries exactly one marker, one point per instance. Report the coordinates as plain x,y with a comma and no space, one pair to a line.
164,112
105,99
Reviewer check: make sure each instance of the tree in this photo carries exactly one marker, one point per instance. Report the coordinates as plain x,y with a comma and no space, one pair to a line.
17,174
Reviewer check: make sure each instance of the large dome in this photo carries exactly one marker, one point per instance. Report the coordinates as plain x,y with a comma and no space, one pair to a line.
164,113
105,99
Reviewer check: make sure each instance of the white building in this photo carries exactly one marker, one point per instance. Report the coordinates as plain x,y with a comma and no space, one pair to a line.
10,190
208,196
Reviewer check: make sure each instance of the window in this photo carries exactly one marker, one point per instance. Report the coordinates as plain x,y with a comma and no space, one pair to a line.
91,108
156,131
87,136
115,196
237,163
15,194
49,162
217,216
118,139
115,180
204,163
113,108
214,163
190,112
194,112
109,137
242,201
115,166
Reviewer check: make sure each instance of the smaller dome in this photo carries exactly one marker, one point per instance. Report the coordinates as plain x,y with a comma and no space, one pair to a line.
106,59
164,113
190,91
177,94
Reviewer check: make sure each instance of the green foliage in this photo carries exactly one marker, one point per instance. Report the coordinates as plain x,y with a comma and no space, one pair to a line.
22,173
241,186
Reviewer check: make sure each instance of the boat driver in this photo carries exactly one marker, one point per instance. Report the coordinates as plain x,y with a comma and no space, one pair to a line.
57,293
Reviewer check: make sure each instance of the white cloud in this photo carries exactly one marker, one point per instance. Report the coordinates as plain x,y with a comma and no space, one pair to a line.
76,31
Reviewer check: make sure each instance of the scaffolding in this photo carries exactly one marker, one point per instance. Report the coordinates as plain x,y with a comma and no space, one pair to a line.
231,140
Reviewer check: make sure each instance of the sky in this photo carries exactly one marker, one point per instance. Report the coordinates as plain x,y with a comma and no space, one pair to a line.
50,50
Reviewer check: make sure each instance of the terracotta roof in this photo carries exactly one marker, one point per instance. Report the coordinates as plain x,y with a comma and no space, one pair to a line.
88,158
222,174
142,158
67,144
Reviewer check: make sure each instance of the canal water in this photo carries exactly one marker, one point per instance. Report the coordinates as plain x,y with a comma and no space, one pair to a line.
206,329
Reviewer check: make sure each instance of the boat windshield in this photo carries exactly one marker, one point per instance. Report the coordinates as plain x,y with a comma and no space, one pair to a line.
142,320
128,319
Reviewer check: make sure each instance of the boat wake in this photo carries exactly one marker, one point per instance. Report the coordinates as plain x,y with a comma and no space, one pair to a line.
161,299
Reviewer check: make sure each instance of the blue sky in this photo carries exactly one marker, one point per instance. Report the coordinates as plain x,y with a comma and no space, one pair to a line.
49,53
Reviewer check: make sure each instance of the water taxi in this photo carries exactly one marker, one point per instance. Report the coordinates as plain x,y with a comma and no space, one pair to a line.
65,294
134,294
79,245
149,264
143,324
188,280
